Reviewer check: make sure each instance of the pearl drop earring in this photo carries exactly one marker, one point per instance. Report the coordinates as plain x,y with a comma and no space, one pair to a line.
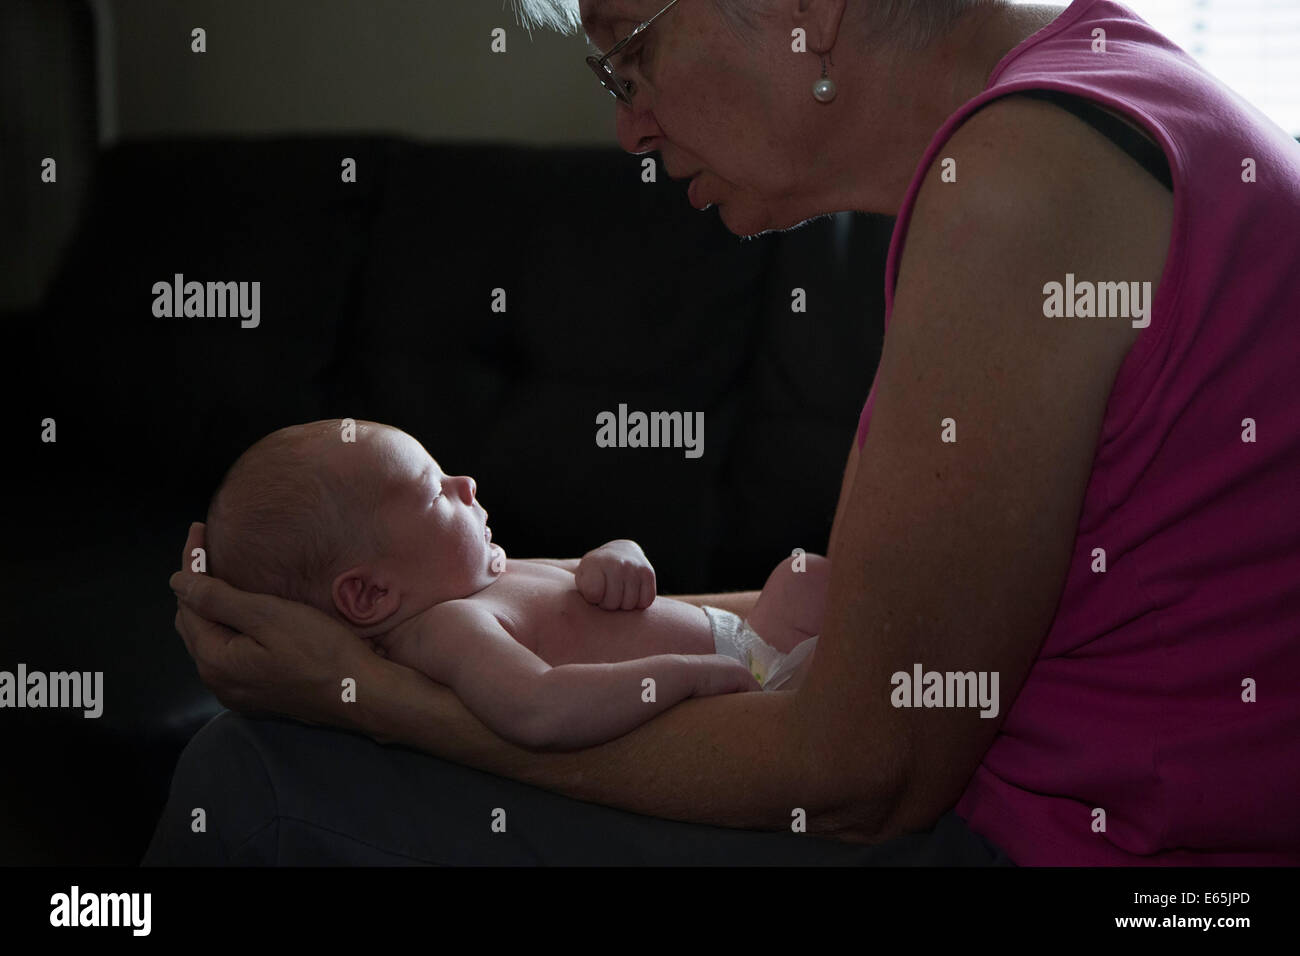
824,89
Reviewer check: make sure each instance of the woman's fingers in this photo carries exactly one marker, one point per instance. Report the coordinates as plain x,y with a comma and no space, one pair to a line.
195,539
208,644
215,600
259,653
182,627
200,636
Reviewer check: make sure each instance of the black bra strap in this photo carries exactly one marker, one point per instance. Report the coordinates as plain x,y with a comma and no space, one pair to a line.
1145,152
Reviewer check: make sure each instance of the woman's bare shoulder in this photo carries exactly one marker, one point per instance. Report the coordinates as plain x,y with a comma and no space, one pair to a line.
1026,194
1021,147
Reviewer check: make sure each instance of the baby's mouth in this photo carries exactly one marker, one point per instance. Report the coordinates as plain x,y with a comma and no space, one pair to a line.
487,534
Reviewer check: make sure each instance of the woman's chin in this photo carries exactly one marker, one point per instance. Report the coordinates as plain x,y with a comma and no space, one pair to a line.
742,221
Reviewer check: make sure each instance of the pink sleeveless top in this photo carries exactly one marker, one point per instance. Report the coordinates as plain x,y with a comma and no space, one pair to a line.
1135,705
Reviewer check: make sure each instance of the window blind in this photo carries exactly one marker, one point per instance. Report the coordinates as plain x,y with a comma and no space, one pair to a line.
1253,46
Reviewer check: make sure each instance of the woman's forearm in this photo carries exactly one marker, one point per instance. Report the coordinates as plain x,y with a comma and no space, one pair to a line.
737,602
736,760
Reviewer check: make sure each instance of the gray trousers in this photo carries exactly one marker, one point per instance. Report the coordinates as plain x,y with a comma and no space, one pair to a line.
280,793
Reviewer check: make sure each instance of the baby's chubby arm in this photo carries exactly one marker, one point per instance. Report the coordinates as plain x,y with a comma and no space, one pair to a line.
524,700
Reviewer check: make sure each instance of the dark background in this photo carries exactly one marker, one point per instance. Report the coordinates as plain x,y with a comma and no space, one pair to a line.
375,304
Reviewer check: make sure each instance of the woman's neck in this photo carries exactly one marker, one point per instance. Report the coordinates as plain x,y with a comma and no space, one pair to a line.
899,126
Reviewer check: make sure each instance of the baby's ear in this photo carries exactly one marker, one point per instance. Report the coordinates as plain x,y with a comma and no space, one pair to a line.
361,599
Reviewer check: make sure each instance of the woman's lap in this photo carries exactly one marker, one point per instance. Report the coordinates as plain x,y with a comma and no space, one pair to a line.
277,792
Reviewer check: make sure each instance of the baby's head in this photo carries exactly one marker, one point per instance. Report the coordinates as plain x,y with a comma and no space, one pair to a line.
370,531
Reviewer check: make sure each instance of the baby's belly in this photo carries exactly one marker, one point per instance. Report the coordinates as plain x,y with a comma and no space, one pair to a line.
586,634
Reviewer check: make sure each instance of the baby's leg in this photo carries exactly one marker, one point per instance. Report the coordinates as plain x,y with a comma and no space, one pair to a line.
792,604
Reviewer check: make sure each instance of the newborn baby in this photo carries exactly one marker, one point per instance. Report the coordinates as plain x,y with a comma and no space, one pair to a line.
548,654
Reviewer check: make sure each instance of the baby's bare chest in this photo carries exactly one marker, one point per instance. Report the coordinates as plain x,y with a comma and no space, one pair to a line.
543,610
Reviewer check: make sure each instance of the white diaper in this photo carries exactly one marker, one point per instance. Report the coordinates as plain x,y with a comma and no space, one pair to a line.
733,637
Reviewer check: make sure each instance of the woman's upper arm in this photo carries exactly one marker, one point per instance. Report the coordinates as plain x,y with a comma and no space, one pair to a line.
951,554
846,484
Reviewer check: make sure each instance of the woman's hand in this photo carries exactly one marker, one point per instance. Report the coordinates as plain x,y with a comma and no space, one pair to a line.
263,654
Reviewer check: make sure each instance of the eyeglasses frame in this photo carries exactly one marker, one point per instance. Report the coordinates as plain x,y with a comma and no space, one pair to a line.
620,89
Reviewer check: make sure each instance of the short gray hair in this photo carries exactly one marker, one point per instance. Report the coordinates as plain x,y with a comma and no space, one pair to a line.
561,15
909,24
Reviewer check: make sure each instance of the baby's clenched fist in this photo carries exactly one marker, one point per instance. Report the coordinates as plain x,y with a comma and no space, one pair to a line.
616,576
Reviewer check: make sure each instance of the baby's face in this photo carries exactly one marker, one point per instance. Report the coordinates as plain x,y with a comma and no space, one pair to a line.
439,544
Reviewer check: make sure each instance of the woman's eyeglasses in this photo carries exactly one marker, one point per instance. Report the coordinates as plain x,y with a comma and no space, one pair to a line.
622,89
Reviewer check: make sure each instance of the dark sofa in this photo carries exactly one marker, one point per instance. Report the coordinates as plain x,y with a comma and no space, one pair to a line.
375,303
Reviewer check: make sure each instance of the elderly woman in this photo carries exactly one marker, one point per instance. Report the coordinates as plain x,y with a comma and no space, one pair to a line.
1075,472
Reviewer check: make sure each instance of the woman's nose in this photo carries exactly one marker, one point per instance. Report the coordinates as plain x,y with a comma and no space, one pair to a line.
636,129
